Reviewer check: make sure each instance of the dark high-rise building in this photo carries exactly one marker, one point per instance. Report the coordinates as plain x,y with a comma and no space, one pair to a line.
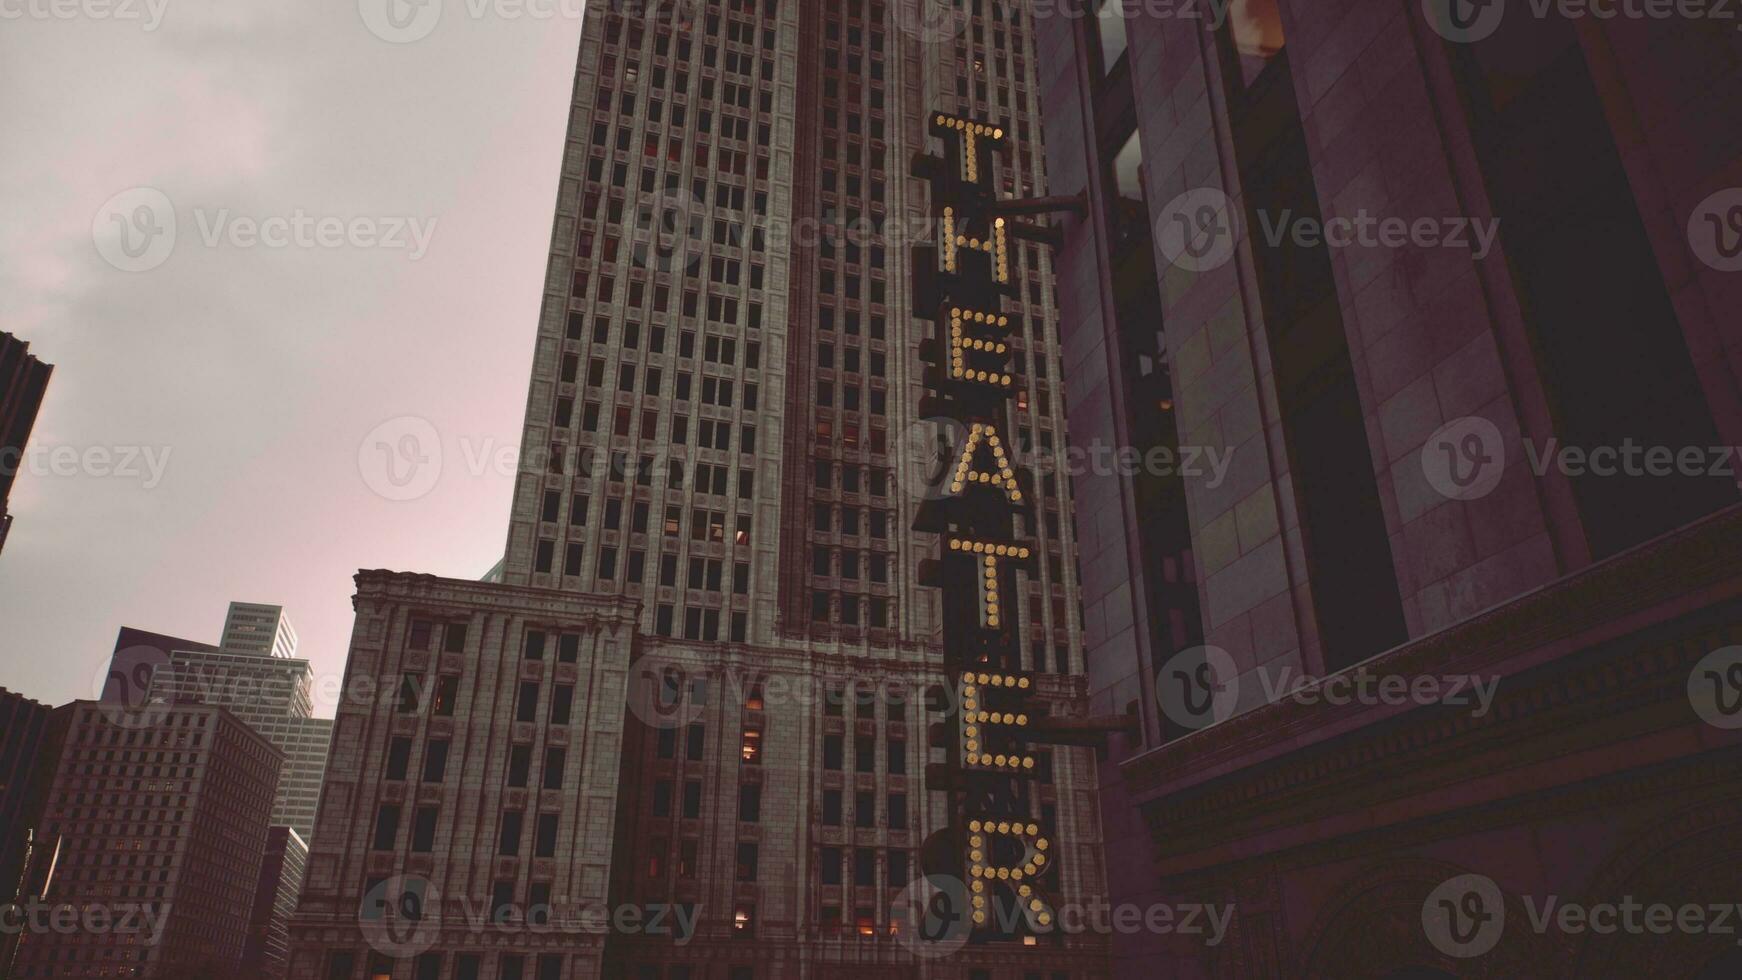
24,727
23,381
1425,594
30,735
157,823
266,953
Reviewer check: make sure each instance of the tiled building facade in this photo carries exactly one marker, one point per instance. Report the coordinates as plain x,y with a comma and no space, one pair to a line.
726,405
725,380
158,825
1381,409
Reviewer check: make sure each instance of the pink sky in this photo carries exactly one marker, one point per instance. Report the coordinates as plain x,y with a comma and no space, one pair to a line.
260,371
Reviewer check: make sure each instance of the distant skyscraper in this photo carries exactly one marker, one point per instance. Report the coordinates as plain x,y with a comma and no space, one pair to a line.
160,829
250,627
23,381
273,696
259,680
266,955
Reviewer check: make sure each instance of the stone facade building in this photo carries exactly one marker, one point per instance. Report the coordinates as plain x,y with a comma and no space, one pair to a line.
473,780
1382,261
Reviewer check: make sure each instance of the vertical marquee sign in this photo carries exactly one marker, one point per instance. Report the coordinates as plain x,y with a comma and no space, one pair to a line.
995,843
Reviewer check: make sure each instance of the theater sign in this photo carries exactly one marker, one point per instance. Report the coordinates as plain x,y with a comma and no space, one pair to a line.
996,844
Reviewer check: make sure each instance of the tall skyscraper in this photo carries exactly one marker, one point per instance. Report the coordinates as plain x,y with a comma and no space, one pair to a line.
159,830
251,627
725,387
23,381
724,414
1389,295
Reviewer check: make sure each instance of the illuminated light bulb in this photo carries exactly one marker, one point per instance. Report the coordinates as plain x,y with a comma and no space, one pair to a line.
1027,762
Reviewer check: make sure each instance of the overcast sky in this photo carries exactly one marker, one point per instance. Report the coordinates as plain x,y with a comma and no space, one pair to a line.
211,431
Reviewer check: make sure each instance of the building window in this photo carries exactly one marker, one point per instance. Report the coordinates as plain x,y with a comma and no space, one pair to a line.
746,861
435,761
508,842
386,827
